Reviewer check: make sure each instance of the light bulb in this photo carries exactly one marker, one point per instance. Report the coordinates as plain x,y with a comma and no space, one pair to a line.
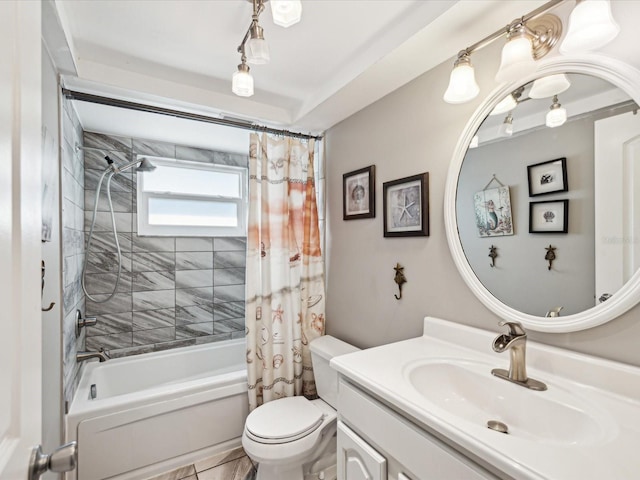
462,82
591,26
517,57
242,81
286,12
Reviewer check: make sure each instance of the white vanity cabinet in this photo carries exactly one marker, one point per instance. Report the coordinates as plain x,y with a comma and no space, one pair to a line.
376,443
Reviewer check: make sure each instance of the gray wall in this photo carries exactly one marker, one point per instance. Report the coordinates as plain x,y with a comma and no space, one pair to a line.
174,291
407,132
520,277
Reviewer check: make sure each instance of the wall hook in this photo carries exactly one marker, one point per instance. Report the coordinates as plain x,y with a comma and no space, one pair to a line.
493,253
52,304
550,256
399,279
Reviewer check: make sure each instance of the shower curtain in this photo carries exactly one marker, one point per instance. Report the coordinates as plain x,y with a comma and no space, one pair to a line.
285,271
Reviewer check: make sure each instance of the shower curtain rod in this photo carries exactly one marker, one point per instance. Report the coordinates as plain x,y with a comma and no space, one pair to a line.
141,107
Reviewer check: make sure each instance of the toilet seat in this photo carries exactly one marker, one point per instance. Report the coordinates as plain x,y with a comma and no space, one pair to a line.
284,420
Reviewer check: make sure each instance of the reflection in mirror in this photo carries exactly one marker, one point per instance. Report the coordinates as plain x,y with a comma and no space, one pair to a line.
590,123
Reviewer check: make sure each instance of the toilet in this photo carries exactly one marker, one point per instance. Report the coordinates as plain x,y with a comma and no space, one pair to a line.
294,438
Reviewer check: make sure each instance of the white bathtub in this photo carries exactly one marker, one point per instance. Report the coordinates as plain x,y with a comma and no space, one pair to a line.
158,410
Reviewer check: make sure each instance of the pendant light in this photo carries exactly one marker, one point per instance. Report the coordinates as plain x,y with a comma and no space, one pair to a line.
286,12
549,86
242,81
591,26
557,115
506,129
462,82
257,47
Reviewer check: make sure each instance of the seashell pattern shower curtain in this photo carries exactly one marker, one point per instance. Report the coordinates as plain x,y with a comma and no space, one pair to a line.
285,304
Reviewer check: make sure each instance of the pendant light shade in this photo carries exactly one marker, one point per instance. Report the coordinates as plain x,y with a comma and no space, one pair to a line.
242,81
557,115
507,104
257,48
517,58
549,86
286,12
591,26
462,82
506,129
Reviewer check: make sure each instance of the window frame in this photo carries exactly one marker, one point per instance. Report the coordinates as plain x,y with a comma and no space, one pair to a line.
142,197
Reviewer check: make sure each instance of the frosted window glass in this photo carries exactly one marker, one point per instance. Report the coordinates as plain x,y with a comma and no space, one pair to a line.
192,181
198,213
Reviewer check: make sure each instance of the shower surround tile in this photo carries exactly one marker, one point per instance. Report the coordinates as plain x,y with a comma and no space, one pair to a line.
194,314
194,260
150,319
166,295
154,299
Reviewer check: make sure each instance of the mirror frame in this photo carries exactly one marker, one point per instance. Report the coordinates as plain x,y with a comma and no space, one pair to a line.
617,73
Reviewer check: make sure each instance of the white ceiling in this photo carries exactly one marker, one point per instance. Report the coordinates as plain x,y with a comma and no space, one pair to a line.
342,56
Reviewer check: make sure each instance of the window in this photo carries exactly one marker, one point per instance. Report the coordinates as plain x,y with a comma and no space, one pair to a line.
181,198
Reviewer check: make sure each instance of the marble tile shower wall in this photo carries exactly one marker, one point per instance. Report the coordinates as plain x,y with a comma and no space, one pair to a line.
174,291
72,186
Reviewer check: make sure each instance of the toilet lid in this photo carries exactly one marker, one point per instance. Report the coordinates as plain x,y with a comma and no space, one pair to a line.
285,419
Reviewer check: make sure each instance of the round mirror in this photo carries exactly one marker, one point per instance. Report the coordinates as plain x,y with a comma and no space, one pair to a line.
541,206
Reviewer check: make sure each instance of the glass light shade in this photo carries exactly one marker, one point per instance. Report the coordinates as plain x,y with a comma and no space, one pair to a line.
549,86
591,26
506,129
507,104
474,141
462,84
286,12
556,116
257,51
242,83
517,59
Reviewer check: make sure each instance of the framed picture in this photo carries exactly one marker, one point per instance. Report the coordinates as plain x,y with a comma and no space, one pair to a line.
549,217
493,212
359,194
548,177
406,206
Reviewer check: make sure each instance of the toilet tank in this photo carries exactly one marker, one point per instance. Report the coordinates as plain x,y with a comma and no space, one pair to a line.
323,349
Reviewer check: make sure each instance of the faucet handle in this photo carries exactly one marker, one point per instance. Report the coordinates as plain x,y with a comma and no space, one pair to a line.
515,328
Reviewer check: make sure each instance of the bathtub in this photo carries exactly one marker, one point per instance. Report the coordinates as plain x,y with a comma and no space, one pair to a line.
158,411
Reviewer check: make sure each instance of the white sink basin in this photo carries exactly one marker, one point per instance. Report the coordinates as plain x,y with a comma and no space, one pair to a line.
470,392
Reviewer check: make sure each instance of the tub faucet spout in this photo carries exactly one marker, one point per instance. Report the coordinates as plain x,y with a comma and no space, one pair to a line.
101,355
516,342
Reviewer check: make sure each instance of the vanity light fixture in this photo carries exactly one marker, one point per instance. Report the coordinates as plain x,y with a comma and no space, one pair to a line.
532,36
462,82
549,86
506,129
254,48
591,26
556,115
508,103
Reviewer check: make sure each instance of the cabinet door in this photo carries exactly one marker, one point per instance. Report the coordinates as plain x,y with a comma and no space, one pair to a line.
357,460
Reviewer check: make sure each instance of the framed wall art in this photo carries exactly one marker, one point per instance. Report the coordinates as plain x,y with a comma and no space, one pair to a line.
493,212
549,217
406,206
548,177
359,194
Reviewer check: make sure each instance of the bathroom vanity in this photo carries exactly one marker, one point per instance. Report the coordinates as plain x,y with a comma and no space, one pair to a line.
418,409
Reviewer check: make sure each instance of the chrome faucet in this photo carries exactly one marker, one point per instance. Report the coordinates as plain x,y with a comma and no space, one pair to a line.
516,342
101,355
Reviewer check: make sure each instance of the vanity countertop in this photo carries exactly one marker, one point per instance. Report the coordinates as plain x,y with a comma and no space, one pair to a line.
586,425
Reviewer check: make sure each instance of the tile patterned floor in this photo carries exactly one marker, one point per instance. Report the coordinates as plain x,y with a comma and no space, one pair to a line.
230,465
